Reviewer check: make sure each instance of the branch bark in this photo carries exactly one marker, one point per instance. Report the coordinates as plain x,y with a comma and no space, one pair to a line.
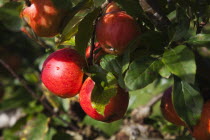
152,10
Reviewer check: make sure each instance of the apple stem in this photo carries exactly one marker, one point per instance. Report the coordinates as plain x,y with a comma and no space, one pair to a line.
28,3
92,47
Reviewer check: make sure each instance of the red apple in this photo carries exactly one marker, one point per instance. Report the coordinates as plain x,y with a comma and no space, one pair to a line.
43,17
97,52
115,30
114,110
168,110
62,72
201,131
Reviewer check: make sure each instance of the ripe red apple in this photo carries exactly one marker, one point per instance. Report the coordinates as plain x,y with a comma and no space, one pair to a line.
201,131
114,110
62,72
168,109
43,17
97,52
115,30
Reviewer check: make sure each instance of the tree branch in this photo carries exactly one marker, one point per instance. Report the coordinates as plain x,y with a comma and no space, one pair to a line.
33,94
142,112
92,47
152,10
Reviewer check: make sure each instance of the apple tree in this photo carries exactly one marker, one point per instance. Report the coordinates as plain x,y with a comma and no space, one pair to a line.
84,69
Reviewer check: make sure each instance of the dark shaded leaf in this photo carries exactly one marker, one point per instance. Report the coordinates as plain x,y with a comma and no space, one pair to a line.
132,7
187,101
62,4
183,24
82,38
10,16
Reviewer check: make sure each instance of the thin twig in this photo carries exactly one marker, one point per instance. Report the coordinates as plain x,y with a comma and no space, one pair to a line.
33,94
92,47
142,112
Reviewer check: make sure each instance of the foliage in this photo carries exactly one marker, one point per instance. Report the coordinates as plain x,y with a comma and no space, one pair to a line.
177,55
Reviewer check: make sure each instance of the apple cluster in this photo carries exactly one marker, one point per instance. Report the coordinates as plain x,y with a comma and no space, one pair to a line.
63,70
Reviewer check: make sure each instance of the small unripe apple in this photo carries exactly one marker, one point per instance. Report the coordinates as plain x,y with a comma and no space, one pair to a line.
97,52
168,109
43,17
62,72
114,110
115,30
202,130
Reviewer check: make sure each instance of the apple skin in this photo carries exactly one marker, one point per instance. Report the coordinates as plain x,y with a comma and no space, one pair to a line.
62,72
168,109
43,17
112,7
97,56
202,130
115,30
115,109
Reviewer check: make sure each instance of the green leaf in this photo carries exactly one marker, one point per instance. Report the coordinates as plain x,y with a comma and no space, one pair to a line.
82,38
36,128
33,108
111,63
103,91
58,122
183,24
181,62
164,72
125,58
77,14
187,101
199,40
142,72
51,132
108,128
156,41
